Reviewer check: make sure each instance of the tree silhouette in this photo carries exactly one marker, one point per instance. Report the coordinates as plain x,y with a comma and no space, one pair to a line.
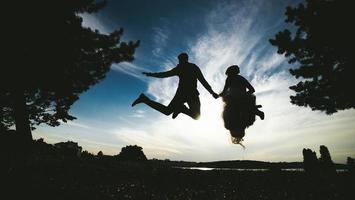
322,45
351,165
50,59
310,162
6,119
132,153
100,154
322,166
5,114
325,160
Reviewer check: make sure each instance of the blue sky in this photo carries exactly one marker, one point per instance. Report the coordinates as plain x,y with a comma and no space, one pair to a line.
216,34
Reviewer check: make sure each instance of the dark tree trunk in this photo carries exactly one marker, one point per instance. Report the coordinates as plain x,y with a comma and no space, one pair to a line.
21,116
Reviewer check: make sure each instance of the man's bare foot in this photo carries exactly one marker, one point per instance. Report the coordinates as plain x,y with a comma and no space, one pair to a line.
140,99
175,114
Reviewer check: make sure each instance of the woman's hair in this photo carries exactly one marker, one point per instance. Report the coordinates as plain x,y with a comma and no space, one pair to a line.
234,69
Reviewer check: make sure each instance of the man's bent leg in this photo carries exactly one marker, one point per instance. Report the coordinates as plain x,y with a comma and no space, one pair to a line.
177,105
179,109
155,105
166,110
195,108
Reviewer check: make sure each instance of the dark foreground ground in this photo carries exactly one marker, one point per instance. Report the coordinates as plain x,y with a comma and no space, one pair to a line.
71,178
42,171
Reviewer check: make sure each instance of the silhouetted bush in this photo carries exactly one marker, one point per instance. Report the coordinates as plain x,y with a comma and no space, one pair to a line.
310,162
69,148
132,153
100,154
86,155
325,161
351,165
323,166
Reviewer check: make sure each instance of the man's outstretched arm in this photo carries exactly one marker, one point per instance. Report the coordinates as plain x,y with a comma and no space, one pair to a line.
205,84
169,73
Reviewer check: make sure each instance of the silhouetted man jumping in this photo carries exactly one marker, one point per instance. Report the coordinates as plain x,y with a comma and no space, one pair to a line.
187,92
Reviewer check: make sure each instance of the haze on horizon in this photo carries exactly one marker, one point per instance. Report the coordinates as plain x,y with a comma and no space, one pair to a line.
215,34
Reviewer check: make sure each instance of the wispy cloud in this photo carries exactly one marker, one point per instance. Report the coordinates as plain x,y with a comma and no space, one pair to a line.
160,37
155,143
75,124
139,114
274,61
130,69
79,125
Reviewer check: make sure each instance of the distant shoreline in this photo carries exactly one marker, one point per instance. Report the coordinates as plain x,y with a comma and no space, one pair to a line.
250,169
240,164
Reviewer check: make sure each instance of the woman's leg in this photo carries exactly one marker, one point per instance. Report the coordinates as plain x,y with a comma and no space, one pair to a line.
259,113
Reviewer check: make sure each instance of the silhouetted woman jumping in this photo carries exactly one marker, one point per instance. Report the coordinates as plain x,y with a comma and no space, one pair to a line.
240,108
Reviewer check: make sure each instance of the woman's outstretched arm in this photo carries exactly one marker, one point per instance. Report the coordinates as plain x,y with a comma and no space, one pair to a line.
251,89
